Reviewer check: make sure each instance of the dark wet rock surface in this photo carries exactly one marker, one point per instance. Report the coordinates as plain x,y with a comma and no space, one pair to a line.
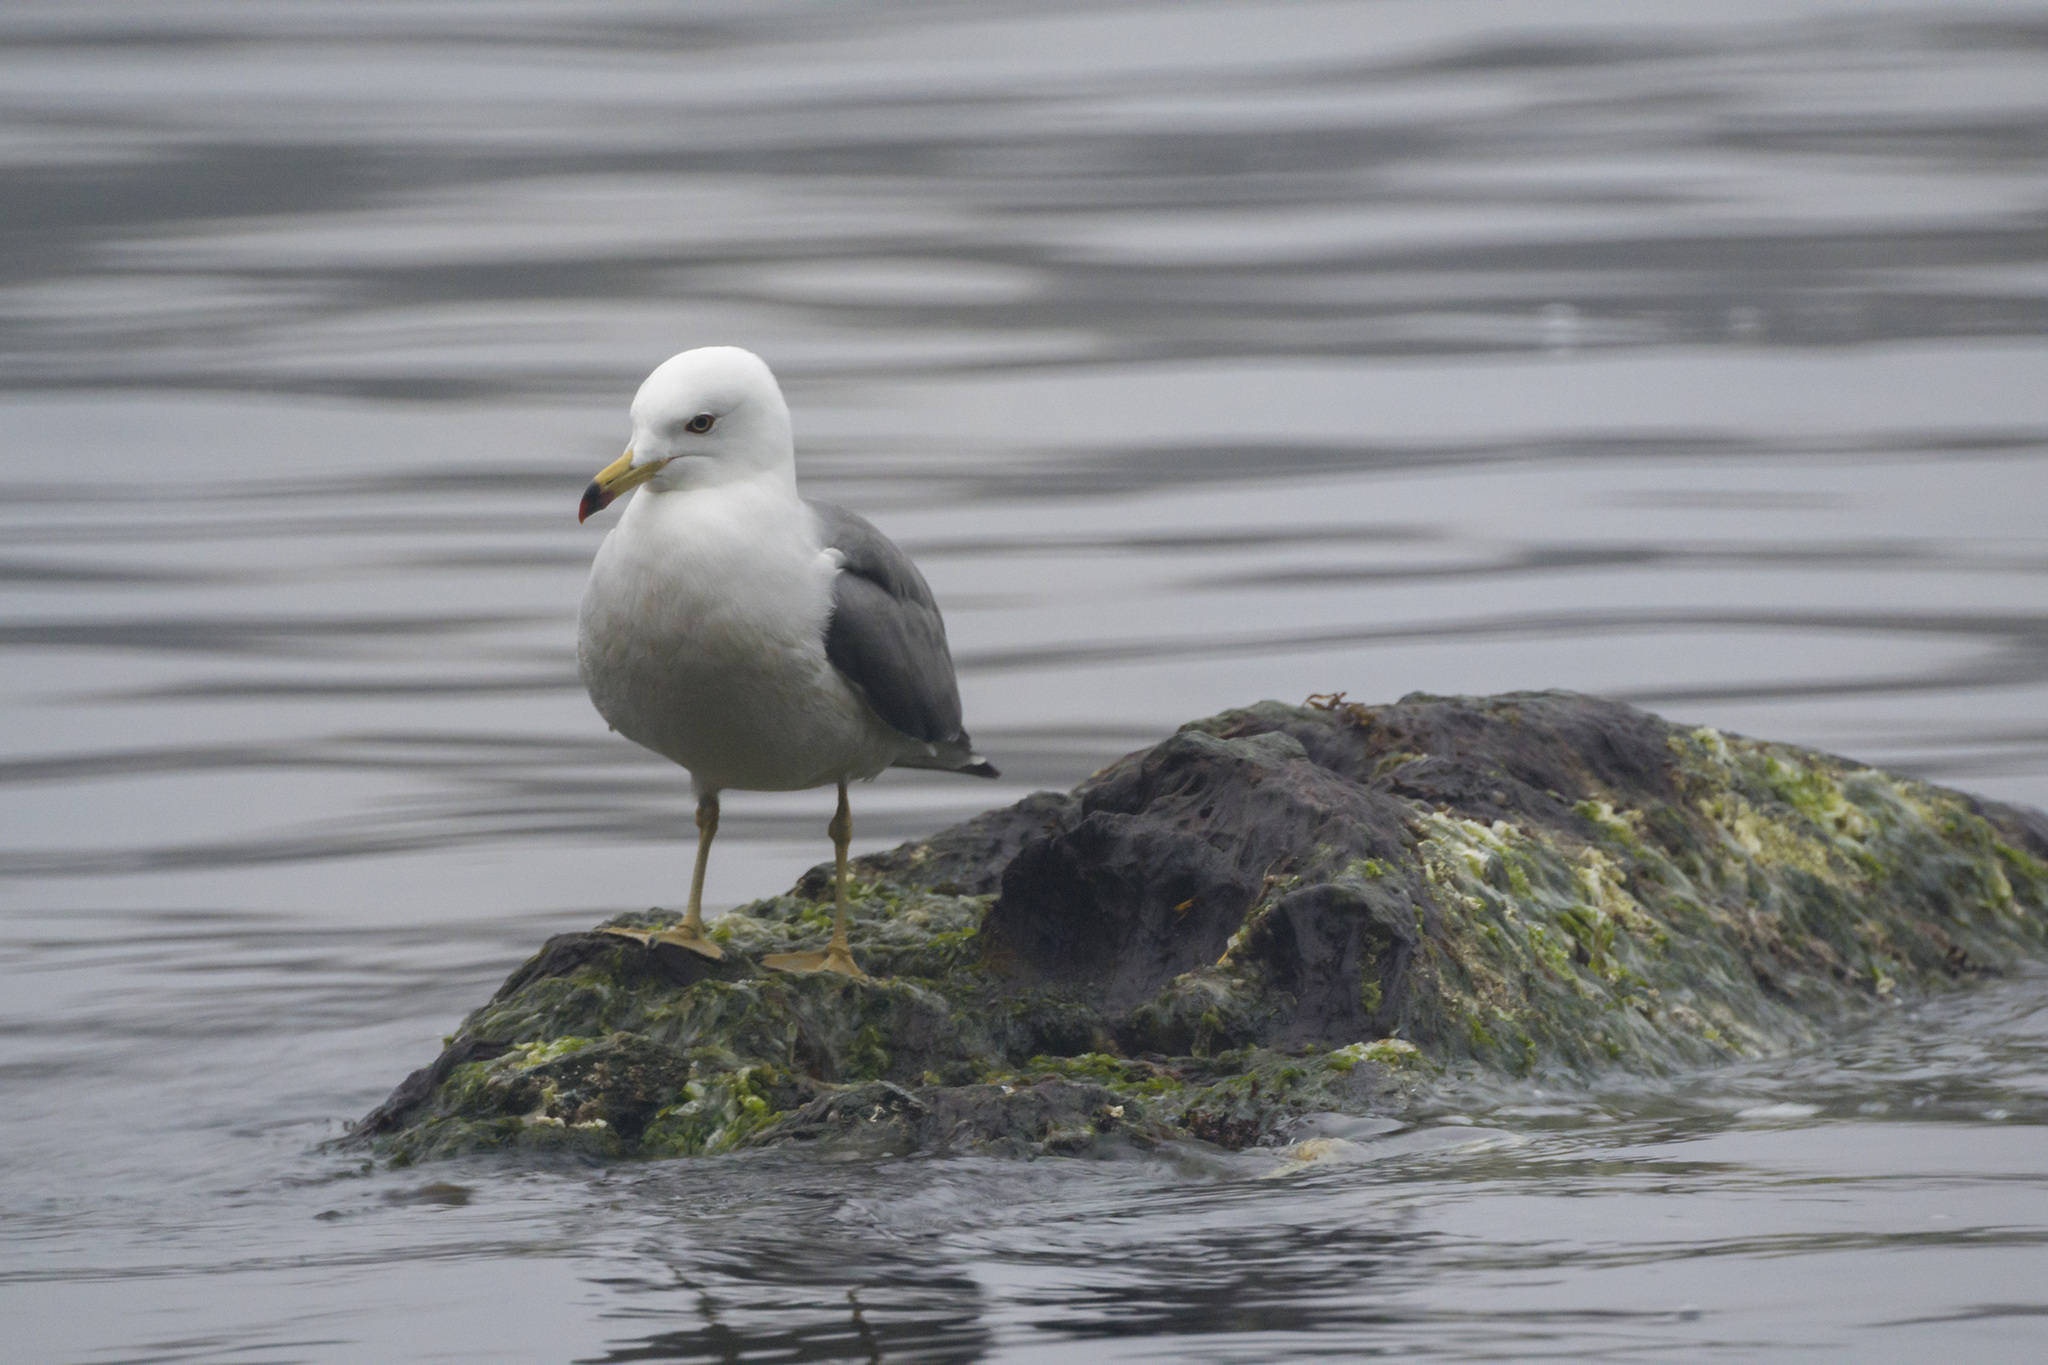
1279,911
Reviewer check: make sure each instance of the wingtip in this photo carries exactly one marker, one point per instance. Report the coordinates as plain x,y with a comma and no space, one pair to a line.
983,768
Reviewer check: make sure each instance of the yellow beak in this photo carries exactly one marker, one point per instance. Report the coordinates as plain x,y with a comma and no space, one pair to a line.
620,476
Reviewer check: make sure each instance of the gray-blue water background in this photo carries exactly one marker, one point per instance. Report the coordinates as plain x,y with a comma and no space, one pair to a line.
1688,353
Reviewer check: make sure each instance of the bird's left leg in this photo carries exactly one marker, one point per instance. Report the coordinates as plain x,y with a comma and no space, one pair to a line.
837,957
690,933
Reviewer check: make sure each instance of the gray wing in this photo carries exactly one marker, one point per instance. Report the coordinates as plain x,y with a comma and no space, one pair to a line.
886,636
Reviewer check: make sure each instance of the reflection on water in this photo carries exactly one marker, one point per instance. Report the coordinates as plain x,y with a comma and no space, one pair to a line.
1201,354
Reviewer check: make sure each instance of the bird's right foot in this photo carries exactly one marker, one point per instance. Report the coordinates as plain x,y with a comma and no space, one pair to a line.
834,959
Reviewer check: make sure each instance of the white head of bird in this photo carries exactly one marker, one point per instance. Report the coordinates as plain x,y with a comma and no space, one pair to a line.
706,417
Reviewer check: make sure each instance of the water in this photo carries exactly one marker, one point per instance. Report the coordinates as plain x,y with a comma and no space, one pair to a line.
1688,354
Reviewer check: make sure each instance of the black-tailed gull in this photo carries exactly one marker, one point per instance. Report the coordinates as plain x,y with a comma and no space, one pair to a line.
762,641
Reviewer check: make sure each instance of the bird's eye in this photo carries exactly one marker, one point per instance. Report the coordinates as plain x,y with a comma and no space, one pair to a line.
701,423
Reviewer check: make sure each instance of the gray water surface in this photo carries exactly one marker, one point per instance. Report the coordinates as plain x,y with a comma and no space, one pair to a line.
1696,355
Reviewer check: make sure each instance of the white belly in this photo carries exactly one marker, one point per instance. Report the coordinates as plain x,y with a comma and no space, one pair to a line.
702,638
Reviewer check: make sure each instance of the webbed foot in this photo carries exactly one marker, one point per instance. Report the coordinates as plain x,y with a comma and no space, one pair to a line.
833,959
680,935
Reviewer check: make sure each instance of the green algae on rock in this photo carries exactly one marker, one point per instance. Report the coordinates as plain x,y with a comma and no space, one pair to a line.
1279,910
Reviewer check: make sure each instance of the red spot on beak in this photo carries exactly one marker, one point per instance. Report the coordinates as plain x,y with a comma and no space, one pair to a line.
595,499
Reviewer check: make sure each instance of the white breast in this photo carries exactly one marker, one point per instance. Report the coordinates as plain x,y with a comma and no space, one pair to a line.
702,638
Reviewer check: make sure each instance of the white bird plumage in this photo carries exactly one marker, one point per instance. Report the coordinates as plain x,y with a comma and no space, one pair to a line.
723,611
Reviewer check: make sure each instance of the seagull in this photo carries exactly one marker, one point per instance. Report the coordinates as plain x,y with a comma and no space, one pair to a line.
763,641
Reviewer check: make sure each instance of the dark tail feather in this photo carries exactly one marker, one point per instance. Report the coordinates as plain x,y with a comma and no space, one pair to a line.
947,758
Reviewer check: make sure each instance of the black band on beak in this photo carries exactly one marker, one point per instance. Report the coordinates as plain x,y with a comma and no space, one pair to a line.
595,499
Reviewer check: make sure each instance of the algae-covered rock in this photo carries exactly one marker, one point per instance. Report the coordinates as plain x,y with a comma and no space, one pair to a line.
1279,910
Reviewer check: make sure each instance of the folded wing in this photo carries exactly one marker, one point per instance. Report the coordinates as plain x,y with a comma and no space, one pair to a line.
887,639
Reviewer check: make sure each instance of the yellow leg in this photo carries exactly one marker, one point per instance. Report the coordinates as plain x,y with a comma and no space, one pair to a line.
690,933
707,830
837,957
841,830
